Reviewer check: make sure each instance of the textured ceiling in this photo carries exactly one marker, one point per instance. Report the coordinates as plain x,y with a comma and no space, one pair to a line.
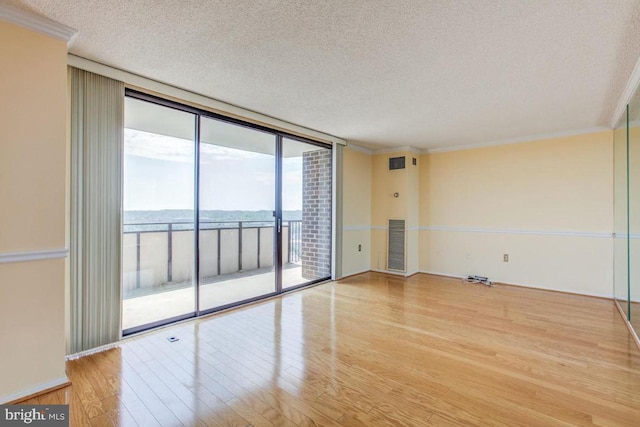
423,73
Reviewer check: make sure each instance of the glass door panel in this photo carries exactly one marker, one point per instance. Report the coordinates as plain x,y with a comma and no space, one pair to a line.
306,213
158,283
237,237
634,211
620,243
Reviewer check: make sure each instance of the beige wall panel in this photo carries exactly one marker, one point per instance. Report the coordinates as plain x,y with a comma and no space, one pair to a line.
565,263
384,184
412,251
356,211
354,261
357,188
378,249
561,185
33,347
33,107
556,184
33,174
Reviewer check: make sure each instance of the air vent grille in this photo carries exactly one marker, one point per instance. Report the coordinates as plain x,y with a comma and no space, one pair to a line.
396,163
395,252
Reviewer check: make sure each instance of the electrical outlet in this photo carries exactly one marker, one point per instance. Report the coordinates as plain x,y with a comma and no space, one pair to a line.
505,257
359,248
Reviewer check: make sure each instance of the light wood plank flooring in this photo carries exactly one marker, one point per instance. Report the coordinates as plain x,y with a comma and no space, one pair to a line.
373,350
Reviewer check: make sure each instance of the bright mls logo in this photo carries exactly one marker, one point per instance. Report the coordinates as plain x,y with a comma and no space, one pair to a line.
34,415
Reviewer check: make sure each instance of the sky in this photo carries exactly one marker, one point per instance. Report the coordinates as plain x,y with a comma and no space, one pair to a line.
159,174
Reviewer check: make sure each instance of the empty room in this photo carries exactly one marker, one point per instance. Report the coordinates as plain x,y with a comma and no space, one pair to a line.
336,213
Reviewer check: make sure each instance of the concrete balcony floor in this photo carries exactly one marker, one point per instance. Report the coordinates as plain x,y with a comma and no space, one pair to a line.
215,291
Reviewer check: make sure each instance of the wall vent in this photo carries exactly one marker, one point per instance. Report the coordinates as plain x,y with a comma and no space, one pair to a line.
395,250
396,163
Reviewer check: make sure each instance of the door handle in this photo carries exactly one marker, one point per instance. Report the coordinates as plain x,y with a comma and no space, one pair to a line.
279,225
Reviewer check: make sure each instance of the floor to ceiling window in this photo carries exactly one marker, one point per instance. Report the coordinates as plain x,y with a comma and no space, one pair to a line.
217,212
158,220
237,222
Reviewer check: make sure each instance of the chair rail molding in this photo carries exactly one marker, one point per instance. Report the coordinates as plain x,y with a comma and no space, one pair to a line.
26,256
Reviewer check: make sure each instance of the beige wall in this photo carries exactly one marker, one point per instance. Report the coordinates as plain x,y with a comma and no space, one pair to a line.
531,200
33,84
356,212
548,204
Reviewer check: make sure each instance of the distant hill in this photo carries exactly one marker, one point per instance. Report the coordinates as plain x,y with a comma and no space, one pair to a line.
183,218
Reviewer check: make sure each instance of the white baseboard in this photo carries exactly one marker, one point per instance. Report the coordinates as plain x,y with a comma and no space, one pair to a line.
437,273
395,273
355,273
566,291
34,390
93,350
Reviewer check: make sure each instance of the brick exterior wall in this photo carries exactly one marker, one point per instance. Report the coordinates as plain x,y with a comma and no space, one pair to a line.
316,214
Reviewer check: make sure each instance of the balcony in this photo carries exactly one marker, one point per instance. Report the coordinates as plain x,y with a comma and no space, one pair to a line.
236,264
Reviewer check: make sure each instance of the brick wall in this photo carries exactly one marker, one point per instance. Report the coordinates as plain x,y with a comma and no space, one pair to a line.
316,214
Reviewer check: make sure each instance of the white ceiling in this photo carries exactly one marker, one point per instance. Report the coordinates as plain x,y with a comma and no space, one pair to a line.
421,73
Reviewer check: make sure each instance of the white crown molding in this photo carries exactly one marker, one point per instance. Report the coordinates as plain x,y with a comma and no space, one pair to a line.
8,257
359,148
627,93
531,138
57,382
37,23
397,150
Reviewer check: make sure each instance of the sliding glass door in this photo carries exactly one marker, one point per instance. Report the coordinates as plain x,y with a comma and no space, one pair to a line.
158,221
237,214
217,212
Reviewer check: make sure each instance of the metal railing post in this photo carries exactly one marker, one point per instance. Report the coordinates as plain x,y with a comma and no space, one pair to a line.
258,231
293,239
170,253
219,245
289,242
239,245
137,260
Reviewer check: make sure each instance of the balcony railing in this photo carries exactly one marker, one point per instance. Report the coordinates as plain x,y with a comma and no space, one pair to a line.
159,253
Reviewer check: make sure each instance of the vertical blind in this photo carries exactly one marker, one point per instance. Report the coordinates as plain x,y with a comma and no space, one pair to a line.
97,135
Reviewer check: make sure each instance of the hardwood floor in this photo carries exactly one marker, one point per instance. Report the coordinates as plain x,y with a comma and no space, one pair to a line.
373,350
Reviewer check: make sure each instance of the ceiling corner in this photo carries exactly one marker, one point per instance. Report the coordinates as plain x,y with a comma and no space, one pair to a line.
627,93
37,23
